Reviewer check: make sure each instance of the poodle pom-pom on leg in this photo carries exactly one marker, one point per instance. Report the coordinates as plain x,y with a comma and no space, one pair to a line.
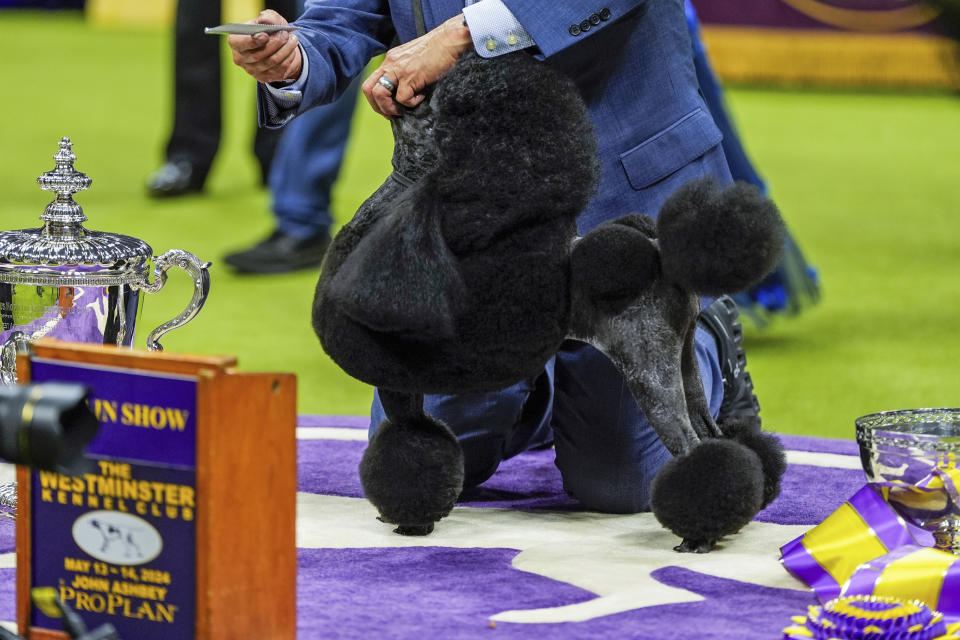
713,491
767,447
412,470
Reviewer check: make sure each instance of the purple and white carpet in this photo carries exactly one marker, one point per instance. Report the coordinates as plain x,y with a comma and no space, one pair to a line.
518,559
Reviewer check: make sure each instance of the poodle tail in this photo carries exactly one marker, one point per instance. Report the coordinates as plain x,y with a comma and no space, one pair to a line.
715,240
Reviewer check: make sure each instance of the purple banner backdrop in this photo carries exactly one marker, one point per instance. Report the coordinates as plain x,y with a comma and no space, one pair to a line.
856,15
41,4
119,542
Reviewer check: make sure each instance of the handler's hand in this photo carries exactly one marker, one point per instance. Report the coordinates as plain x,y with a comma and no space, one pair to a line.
416,65
268,58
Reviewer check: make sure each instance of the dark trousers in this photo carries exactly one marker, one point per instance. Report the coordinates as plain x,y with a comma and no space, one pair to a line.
197,110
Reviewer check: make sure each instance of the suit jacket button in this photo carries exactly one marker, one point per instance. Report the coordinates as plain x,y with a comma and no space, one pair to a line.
585,25
574,29
594,19
605,14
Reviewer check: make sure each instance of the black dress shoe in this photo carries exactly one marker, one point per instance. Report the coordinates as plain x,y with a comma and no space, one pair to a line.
175,178
739,400
281,252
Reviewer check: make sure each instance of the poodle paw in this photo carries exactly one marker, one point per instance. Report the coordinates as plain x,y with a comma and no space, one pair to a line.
412,472
695,546
414,529
713,491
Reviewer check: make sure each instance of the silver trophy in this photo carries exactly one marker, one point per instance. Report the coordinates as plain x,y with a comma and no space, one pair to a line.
64,281
915,455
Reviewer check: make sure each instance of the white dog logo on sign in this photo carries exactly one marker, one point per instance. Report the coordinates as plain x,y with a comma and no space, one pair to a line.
117,537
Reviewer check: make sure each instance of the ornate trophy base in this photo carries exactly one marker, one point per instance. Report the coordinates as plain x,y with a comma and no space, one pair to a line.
8,500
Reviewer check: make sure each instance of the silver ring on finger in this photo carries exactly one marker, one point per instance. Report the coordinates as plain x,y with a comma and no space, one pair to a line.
387,84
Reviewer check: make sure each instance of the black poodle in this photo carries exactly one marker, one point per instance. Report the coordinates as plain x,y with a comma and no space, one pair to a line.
464,272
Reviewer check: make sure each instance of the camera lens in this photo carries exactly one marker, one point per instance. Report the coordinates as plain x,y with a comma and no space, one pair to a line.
46,426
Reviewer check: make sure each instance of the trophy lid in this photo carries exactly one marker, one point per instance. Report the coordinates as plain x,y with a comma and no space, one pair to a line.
63,240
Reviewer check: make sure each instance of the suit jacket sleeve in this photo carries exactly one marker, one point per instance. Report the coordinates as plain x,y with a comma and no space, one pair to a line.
555,25
339,37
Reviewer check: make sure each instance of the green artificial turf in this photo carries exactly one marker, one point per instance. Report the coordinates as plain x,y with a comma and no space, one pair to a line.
870,184
867,181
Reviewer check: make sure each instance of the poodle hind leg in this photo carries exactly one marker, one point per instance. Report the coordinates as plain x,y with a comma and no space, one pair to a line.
720,486
768,448
697,405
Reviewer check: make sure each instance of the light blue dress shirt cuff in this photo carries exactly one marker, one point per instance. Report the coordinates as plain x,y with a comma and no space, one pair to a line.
286,98
494,29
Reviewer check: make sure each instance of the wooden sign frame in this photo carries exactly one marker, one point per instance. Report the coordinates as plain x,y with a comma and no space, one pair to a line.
246,486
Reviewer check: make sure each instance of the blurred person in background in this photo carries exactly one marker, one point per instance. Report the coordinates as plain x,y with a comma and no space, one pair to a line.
197,118
305,167
299,164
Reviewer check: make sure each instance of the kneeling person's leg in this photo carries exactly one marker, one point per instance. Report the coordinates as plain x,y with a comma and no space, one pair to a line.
607,451
490,427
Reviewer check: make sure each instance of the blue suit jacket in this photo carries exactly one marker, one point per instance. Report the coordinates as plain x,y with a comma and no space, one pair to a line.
634,69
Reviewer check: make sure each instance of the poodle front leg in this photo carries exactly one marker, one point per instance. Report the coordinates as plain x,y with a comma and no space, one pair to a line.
412,471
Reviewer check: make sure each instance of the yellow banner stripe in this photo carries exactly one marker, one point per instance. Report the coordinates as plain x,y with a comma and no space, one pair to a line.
890,20
918,576
842,543
804,57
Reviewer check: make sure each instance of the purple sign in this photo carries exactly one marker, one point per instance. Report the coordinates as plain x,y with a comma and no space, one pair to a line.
119,542
143,416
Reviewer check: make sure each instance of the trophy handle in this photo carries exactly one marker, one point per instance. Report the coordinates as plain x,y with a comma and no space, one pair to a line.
16,341
201,287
